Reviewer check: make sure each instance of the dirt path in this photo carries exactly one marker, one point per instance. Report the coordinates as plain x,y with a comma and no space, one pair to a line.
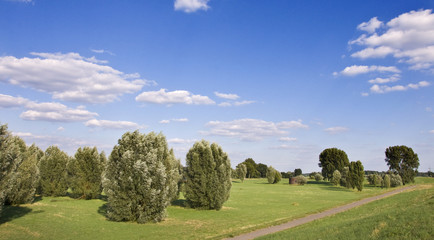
296,222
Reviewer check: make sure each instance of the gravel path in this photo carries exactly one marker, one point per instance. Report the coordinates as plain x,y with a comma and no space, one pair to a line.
309,218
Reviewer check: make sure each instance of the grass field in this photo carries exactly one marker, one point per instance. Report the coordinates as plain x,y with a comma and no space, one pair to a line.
408,215
253,204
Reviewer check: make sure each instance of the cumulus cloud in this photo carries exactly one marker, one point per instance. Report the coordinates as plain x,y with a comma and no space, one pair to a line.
165,121
380,80
7,101
70,77
101,51
180,141
336,130
189,6
287,139
251,129
385,89
229,96
408,37
174,97
362,69
107,124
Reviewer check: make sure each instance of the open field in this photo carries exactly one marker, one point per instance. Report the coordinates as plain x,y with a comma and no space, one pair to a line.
253,204
407,215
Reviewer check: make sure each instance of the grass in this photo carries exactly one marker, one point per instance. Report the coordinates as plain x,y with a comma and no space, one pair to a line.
253,204
408,215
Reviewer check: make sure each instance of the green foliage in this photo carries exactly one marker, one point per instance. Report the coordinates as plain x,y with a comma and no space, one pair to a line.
297,172
375,179
332,159
318,177
395,180
208,176
252,171
27,177
345,181
356,175
140,179
84,173
53,172
386,181
241,171
273,176
262,169
301,180
403,161
336,179
312,175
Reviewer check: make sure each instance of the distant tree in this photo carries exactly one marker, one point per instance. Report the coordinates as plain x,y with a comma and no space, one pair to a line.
336,179
140,178
208,176
297,172
241,171
85,172
395,180
53,172
403,161
12,151
289,174
345,181
312,175
318,177
273,176
27,177
430,174
386,181
356,175
252,172
262,169
301,180
332,159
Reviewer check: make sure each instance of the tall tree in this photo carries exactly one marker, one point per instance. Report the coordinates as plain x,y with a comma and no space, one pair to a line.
84,172
403,161
262,169
208,176
252,172
273,176
53,172
332,159
297,172
136,179
356,175
241,171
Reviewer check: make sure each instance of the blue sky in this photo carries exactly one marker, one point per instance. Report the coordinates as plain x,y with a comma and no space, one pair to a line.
278,81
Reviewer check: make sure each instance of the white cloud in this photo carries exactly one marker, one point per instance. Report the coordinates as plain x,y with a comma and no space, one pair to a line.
174,97
180,119
362,69
229,96
336,130
112,124
409,38
7,101
370,26
101,51
69,77
379,80
189,6
432,131
287,139
181,141
164,121
385,89
60,129
251,129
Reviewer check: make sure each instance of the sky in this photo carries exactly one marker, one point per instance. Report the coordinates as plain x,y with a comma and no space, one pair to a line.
277,81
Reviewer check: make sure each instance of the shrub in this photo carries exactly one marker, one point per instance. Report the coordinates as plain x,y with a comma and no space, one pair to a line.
318,177
208,176
140,177
395,180
386,181
356,175
273,176
336,179
301,180
53,172
344,176
241,171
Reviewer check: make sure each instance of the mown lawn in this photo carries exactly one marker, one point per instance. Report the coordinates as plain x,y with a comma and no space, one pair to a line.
253,204
408,215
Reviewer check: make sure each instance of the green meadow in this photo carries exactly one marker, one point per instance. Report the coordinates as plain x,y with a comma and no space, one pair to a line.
253,204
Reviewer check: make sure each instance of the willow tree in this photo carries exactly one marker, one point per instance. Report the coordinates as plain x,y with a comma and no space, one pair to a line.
141,178
241,171
53,173
208,176
273,176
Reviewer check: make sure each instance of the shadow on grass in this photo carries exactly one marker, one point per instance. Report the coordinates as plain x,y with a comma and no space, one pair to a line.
179,203
338,189
102,210
10,213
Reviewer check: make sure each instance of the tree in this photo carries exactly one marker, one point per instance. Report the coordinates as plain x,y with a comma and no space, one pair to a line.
53,172
273,176
336,177
332,159
252,172
356,175
262,169
318,177
345,181
301,180
403,161
12,151
27,177
386,181
297,172
208,176
85,172
241,171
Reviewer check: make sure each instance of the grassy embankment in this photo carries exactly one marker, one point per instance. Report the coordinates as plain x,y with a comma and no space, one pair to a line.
253,204
408,215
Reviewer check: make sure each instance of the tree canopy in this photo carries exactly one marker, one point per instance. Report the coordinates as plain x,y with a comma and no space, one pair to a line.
403,161
332,159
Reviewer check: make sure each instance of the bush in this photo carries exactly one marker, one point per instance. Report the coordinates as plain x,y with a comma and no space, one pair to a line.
336,179
273,176
241,171
301,180
386,181
344,176
318,177
208,176
395,180
140,176
53,172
